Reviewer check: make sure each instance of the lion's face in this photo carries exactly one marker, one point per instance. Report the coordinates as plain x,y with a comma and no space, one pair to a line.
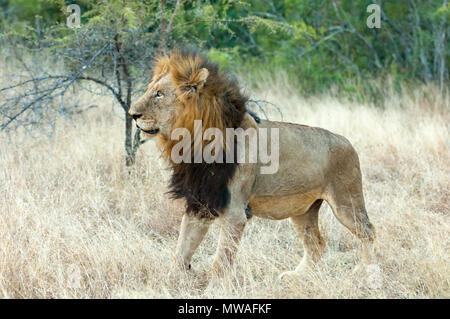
156,108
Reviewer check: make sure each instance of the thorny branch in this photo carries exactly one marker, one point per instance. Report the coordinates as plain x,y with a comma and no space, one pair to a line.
50,93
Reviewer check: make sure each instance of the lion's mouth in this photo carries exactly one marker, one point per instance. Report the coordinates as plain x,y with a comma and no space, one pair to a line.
151,132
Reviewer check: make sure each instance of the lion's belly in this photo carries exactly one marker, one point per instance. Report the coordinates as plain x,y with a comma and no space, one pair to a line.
281,207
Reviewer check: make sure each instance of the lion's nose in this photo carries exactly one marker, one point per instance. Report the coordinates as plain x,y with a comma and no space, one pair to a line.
135,116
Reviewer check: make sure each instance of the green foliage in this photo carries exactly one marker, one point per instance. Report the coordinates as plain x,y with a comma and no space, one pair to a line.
320,43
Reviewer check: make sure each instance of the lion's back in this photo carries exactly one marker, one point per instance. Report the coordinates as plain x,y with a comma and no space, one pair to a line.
307,158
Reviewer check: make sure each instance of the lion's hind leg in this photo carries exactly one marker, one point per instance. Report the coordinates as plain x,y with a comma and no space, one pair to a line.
307,228
347,203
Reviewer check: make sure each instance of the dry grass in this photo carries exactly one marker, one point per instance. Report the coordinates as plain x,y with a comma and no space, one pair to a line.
68,204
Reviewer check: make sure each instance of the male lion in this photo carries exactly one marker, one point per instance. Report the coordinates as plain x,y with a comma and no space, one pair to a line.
314,165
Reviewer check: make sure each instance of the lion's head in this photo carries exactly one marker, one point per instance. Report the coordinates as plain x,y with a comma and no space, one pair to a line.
185,87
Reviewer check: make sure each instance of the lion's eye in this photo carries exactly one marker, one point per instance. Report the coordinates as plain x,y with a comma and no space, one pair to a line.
158,94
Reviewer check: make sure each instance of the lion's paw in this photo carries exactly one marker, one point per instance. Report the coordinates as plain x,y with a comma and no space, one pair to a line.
287,275
292,275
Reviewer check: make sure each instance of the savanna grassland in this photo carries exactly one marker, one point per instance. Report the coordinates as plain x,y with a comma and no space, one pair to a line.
69,209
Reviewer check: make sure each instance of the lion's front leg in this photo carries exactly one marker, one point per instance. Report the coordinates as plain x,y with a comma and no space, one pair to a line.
192,231
234,217
232,228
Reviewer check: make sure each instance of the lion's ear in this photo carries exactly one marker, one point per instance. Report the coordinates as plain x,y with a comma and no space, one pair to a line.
198,80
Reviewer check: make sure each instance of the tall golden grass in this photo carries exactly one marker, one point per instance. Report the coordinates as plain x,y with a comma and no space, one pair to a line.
75,223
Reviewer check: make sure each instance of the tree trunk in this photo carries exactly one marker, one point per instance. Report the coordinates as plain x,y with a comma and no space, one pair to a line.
131,143
162,43
130,154
442,52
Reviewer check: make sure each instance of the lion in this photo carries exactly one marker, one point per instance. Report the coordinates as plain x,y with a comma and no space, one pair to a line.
315,165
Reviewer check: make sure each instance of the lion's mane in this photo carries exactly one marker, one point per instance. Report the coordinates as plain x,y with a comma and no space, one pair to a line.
218,103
